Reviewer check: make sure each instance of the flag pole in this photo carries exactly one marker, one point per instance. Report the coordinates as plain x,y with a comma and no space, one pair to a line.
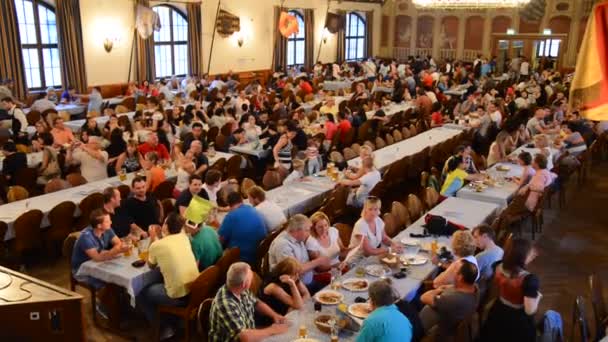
217,12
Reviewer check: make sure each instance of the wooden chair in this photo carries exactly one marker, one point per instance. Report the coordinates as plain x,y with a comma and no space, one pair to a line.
413,131
262,265
370,144
349,153
380,143
356,148
233,167
219,165
3,245
345,232
75,179
17,193
247,184
397,135
168,205
124,190
431,197
467,329
226,129
390,225
389,139
202,288
212,133
56,184
579,321
164,190
27,178
28,235
256,284
203,319
336,207
272,179
405,132
230,256
61,218
128,102
86,206
600,314
401,215
220,143
414,206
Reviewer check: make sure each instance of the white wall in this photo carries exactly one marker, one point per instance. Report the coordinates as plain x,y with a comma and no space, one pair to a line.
115,18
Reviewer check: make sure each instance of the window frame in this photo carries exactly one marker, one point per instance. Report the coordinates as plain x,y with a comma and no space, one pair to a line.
357,38
172,43
39,46
293,39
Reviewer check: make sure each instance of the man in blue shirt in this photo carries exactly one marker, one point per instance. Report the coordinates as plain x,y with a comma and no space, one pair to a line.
386,323
96,242
243,227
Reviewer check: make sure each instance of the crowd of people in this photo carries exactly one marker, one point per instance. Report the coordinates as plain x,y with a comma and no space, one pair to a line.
527,106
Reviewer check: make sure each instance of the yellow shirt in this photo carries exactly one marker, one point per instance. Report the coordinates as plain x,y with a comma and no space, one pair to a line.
332,110
173,254
451,177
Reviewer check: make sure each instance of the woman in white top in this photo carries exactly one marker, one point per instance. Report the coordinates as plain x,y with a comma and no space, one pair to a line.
368,180
252,130
463,247
369,230
185,167
324,240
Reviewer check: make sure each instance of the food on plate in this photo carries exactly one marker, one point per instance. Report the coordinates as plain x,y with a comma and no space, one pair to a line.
377,270
503,168
360,310
329,297
355,284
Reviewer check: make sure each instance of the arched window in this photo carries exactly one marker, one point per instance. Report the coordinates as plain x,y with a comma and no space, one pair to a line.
295,43
38,33
355,37
171,42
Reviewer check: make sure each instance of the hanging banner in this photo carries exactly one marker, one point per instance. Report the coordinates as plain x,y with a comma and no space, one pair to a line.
334,22
227,23
146,21
288,24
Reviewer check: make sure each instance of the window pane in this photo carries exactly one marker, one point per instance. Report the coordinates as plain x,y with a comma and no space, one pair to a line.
163,60
25,18
554,48
52,70
180,27
181,59
300,52
291,52
32,68
48,25
164,35
360,48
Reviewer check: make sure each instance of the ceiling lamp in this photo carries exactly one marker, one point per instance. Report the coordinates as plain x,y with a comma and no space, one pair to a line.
467,4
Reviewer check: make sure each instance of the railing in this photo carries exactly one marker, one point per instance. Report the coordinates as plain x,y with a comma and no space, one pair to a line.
423,51
401,53
471,55
447,53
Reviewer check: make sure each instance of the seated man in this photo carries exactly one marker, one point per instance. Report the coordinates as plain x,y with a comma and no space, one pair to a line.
243,227
447,306
96,242
169,251
205,244
232,312
61,134
153,145
141,208
490,252
194,188
14,161
292,243
386,323
271,213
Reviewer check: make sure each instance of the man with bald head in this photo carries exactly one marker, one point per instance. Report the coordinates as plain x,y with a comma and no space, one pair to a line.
201,161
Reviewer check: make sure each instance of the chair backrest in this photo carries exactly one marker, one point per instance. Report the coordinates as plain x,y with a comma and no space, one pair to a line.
431,197
356,148
17,193
380,143
26,178
203,319
226,129
90,203
401,214
390,225
262,265
124,190
414,206
168,205
579,321
389,139
75,179
230,256
55,184
406,132
466,329
349,153
599,306
220,142
68,244
128,102
233,167
345,232
397,135
413,130
219,165
336,157
370,144
164,190
33,117
204,286
212,133
61,217
247,184
271,179
27,230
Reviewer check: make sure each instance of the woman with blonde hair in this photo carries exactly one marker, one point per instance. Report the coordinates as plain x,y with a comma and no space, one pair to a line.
463,247
369,233
498,149
283,291
324,240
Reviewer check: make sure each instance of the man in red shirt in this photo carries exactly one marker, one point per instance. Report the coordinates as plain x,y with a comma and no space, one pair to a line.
305,86
344,126
152,145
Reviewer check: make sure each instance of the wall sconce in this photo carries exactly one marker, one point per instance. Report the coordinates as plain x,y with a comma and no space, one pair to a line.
325,34
240,41
108,43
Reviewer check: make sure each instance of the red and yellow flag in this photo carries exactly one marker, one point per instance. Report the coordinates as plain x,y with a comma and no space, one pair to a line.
589,88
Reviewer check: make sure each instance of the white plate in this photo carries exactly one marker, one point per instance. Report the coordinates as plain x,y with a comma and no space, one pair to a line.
358,314
414,261
332,292
377,270
345,284
409,242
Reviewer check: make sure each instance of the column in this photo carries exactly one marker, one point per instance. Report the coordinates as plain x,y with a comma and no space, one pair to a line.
414,34
391,33
487,36
573,36
462,24
436,37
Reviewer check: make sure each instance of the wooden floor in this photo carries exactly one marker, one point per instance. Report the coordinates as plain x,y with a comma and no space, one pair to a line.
573,245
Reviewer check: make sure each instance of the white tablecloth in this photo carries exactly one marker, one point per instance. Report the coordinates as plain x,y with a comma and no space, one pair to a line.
253,149
11,211
308,106
392,109
383,89
120,272
460,211
458,91
71,108
499,194
388,155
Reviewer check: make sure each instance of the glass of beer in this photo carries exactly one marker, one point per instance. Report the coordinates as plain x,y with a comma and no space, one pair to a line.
127,241
302,332
122,175
143,249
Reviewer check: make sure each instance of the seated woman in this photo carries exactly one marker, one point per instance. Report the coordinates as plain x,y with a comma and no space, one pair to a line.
369,233
314,161
456,176
324,240
283,291
498,149
524,159
574,141
368,180
511,318
154,173
131,159
356,172
463,248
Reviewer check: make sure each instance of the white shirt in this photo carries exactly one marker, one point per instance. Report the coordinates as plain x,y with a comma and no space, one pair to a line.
496,117
362,228
239,105
272,214
165,91
211,192
19,115
332,252
92,169
293,177
524,68
370,69
431,96
368,182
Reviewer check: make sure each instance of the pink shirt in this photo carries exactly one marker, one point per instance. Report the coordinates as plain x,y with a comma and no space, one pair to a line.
541,179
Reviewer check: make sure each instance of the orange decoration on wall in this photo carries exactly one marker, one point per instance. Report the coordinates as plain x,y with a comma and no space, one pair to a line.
288,24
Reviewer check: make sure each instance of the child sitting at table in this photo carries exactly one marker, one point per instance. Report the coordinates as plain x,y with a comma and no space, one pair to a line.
297,173
314,161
